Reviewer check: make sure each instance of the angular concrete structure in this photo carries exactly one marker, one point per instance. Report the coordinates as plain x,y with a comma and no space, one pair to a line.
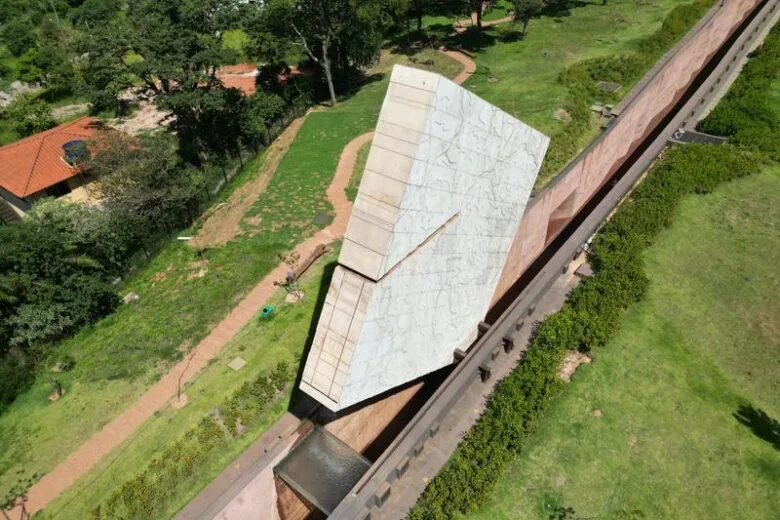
445,186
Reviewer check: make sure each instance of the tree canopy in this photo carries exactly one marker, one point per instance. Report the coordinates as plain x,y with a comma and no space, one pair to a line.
337,35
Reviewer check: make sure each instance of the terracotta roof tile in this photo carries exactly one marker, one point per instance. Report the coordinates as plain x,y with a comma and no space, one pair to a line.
241,76
35,163
245,84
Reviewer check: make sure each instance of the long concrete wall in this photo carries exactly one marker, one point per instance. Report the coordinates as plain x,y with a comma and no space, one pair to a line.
389,475
638,114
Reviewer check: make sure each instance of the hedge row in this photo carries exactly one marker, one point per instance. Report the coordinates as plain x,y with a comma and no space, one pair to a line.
589,319
149,493
582,79
745,114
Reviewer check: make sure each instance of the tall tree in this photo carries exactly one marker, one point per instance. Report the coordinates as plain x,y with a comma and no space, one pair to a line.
144,183
337,35
29,115
525,10
19,36
180,49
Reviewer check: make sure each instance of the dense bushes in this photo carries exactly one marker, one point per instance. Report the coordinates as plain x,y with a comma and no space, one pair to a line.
745,115
588,320
56,270
581,80
150,492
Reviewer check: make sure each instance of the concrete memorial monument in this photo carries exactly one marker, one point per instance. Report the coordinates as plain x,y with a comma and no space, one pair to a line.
447,180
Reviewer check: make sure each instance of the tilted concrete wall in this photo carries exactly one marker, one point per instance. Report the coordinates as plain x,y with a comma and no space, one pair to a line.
444,188
643,108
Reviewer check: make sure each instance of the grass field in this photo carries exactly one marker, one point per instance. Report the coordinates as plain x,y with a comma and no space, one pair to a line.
521,77
261,344
703,344
120,356
357,172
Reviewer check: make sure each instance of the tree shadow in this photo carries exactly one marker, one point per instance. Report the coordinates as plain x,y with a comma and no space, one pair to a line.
355,82
762,426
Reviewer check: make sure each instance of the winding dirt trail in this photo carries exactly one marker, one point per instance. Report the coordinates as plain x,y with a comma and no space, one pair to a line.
161,393
223,222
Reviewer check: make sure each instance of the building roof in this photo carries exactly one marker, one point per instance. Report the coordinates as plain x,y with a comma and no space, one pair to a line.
35,163
241,76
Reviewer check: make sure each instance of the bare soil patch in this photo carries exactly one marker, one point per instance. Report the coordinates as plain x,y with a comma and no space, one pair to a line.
224,223
573,359
147,118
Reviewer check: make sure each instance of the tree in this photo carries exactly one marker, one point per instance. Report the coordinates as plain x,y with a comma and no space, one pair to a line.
105,71
182,49
56,268
262,109
19,37
17,496
92,13
525,10
337,35
144,183
30,115
475,6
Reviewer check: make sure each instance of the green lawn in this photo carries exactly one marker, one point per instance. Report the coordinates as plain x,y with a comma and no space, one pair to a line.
357,172
774,99
123,354
261,344
703,343
521,77
120,356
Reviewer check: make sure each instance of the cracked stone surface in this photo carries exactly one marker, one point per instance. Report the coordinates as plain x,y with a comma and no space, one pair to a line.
446,183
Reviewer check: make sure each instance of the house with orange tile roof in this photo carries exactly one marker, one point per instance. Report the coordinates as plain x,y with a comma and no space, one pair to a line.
242,76
47,164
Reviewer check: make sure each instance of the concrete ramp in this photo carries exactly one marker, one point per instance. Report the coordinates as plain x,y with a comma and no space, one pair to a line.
322,469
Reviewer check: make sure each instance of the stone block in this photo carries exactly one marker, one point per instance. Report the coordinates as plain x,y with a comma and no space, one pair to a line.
447,180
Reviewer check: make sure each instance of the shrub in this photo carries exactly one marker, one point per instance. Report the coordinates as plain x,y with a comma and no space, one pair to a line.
745,115
581,80
167,475
589,319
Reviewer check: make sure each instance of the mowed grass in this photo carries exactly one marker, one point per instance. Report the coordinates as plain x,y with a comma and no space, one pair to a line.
357,172
521,77
262,344
704,342
120,356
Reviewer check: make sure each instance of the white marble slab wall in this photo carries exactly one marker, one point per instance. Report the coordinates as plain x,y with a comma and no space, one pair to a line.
446,183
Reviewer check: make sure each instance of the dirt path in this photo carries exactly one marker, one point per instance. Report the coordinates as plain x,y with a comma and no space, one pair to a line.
469,67
161,393
224,223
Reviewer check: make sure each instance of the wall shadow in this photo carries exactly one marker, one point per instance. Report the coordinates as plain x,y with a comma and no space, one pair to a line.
762,426
300,403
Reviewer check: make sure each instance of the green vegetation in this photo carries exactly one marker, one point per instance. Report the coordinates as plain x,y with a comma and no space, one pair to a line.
560,66
118,357
184,292
217,392
749,114
357,172
238,40
590,319
687,389
701,347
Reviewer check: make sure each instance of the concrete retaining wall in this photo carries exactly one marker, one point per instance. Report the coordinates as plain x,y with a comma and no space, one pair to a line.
638,114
